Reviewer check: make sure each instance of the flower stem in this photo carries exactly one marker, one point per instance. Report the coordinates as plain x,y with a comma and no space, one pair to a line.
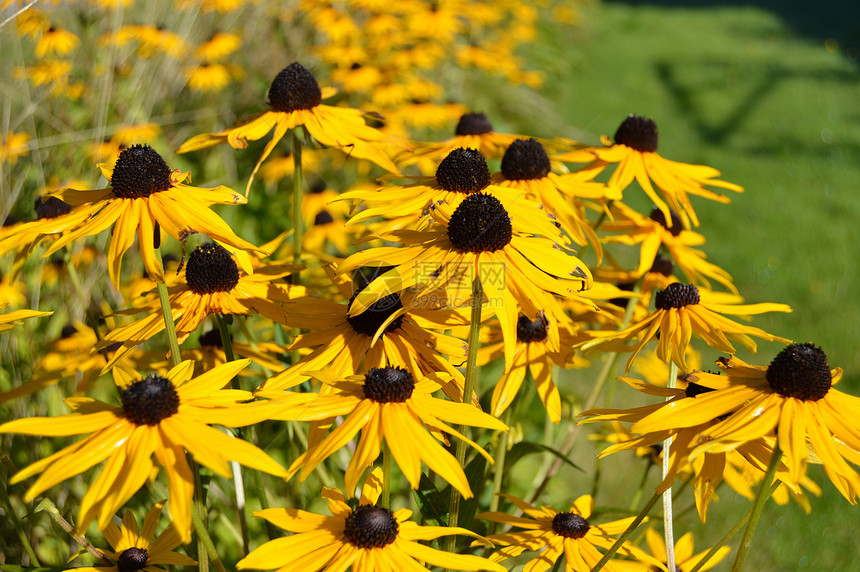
626,534
298,190
757,508
386,475
716,547
499,468
169,326
477,301
668,529
205,541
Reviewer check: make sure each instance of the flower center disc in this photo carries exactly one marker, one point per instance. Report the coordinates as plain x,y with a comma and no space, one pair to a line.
132,559
323,217
531,330
658,216
369,321
473,124
52,207
294,88
211,269
801,371
676,295
463,171
148,401
638,133
570,525
480,224
139,172
371,526
662,265
211,339
525,159
388,385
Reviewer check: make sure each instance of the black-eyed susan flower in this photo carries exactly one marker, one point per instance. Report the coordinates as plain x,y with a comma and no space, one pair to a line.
386,334
684,557
213,285
56,42
526,167
140,549
164,416
12,145
634,154
556,533
368,538
534,353
517,259
144,195
388,404
295,99
218,46
792,399
682,310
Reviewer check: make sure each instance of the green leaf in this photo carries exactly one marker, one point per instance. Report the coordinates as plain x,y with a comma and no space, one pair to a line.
432,503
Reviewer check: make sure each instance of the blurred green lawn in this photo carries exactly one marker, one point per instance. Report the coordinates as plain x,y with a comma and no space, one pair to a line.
769,97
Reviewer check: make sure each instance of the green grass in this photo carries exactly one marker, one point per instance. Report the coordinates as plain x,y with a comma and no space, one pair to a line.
764,100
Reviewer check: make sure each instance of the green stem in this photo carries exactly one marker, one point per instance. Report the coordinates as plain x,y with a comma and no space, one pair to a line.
386,475
200,519
169,326
298,190
638,496
205,541
499,468
25,541
714,549
668,528
757,508
626,534
477,301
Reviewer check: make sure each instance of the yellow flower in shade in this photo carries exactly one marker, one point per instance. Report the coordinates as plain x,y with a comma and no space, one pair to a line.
140,549
474,131
386,404
55,41
144,196
386,334
635,156
684,557
10,320
213,285
368,538
534,353
12,292
12,146
682,310
792,399
653,233
295,99
159,415
556,533
511,248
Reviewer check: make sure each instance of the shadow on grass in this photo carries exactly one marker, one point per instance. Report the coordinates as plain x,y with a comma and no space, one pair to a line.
762,83
821,21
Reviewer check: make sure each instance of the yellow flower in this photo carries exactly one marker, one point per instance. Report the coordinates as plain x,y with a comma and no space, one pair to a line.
682,310
207,77
295,99
55,41
144,196
218,46
635,155
10,320
367,539
136,549
792,398
558,533
12,146
213,285
159,415
386,404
